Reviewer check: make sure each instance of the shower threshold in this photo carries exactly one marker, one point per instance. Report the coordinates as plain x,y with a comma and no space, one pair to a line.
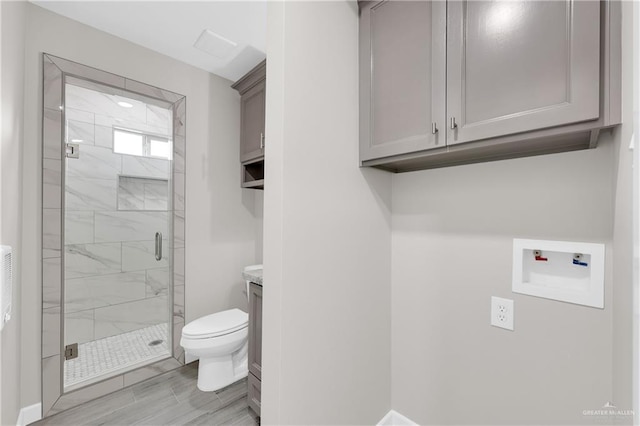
103,358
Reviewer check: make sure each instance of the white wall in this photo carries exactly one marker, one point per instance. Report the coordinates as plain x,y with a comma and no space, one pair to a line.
12,22
326,228
635,303
220,223
623,224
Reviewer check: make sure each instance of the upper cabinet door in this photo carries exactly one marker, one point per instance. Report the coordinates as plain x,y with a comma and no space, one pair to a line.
402,77
516,66
252,139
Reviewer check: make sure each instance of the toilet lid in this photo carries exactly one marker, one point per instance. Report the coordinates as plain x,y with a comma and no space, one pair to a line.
217,324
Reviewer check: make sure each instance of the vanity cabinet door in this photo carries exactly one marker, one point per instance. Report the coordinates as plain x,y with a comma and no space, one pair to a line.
402,77
517,66
254,394
255,330
252,122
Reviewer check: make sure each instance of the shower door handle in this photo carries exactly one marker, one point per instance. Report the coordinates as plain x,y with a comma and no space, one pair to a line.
158,246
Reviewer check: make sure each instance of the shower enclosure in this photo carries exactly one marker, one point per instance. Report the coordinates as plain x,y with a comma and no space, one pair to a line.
113,232
117,179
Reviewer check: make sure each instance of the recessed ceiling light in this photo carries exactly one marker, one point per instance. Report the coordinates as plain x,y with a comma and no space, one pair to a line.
214,44
76,140
124,104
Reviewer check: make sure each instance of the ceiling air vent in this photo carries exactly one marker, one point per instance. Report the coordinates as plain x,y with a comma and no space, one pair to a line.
214,44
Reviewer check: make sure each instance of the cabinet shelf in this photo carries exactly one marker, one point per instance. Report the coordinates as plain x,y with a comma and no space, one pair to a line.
253,174
256,184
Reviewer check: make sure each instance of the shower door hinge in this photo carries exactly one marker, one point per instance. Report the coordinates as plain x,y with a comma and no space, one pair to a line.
71,351
73,150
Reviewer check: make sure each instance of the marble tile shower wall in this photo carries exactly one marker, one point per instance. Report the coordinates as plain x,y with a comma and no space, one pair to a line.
114,205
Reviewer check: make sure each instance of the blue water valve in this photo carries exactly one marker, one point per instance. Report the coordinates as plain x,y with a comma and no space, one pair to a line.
577,260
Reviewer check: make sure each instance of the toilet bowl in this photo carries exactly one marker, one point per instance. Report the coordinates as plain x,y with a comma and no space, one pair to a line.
220,341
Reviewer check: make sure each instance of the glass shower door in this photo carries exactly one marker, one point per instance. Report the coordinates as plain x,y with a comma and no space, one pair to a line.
117,231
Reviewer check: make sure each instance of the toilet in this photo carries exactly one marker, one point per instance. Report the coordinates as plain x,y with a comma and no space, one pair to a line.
220,341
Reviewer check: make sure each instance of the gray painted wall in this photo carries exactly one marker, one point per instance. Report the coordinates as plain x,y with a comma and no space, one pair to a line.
220,230
12,15
327,228
452,250
259,231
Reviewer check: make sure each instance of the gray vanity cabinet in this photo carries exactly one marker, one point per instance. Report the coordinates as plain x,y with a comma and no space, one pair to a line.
454,82
255,346
517,66
403,91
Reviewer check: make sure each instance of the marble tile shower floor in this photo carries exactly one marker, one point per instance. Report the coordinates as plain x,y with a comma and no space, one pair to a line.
114,354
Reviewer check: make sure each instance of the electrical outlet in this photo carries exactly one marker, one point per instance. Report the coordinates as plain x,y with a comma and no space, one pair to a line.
502,312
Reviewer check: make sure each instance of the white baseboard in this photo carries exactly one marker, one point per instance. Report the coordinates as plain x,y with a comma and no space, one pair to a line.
29,414
393,418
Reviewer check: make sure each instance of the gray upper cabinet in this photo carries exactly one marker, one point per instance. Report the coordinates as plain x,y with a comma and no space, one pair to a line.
403,103
516,66
252,89
454,82
252,122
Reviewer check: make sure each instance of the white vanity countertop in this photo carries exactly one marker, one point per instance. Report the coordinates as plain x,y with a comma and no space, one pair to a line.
254,276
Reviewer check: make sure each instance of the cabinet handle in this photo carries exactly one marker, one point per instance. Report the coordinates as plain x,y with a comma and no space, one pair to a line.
453,123
434,128
158,246
261,140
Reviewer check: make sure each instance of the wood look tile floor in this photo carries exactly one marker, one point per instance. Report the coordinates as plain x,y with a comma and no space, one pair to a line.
169,399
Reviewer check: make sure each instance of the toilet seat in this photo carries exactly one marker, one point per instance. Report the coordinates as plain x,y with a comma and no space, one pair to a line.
215,325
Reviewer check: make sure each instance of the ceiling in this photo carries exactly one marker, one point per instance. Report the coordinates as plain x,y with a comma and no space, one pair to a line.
172,28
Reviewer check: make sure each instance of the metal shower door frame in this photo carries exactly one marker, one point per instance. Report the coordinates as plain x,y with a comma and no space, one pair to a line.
55,71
